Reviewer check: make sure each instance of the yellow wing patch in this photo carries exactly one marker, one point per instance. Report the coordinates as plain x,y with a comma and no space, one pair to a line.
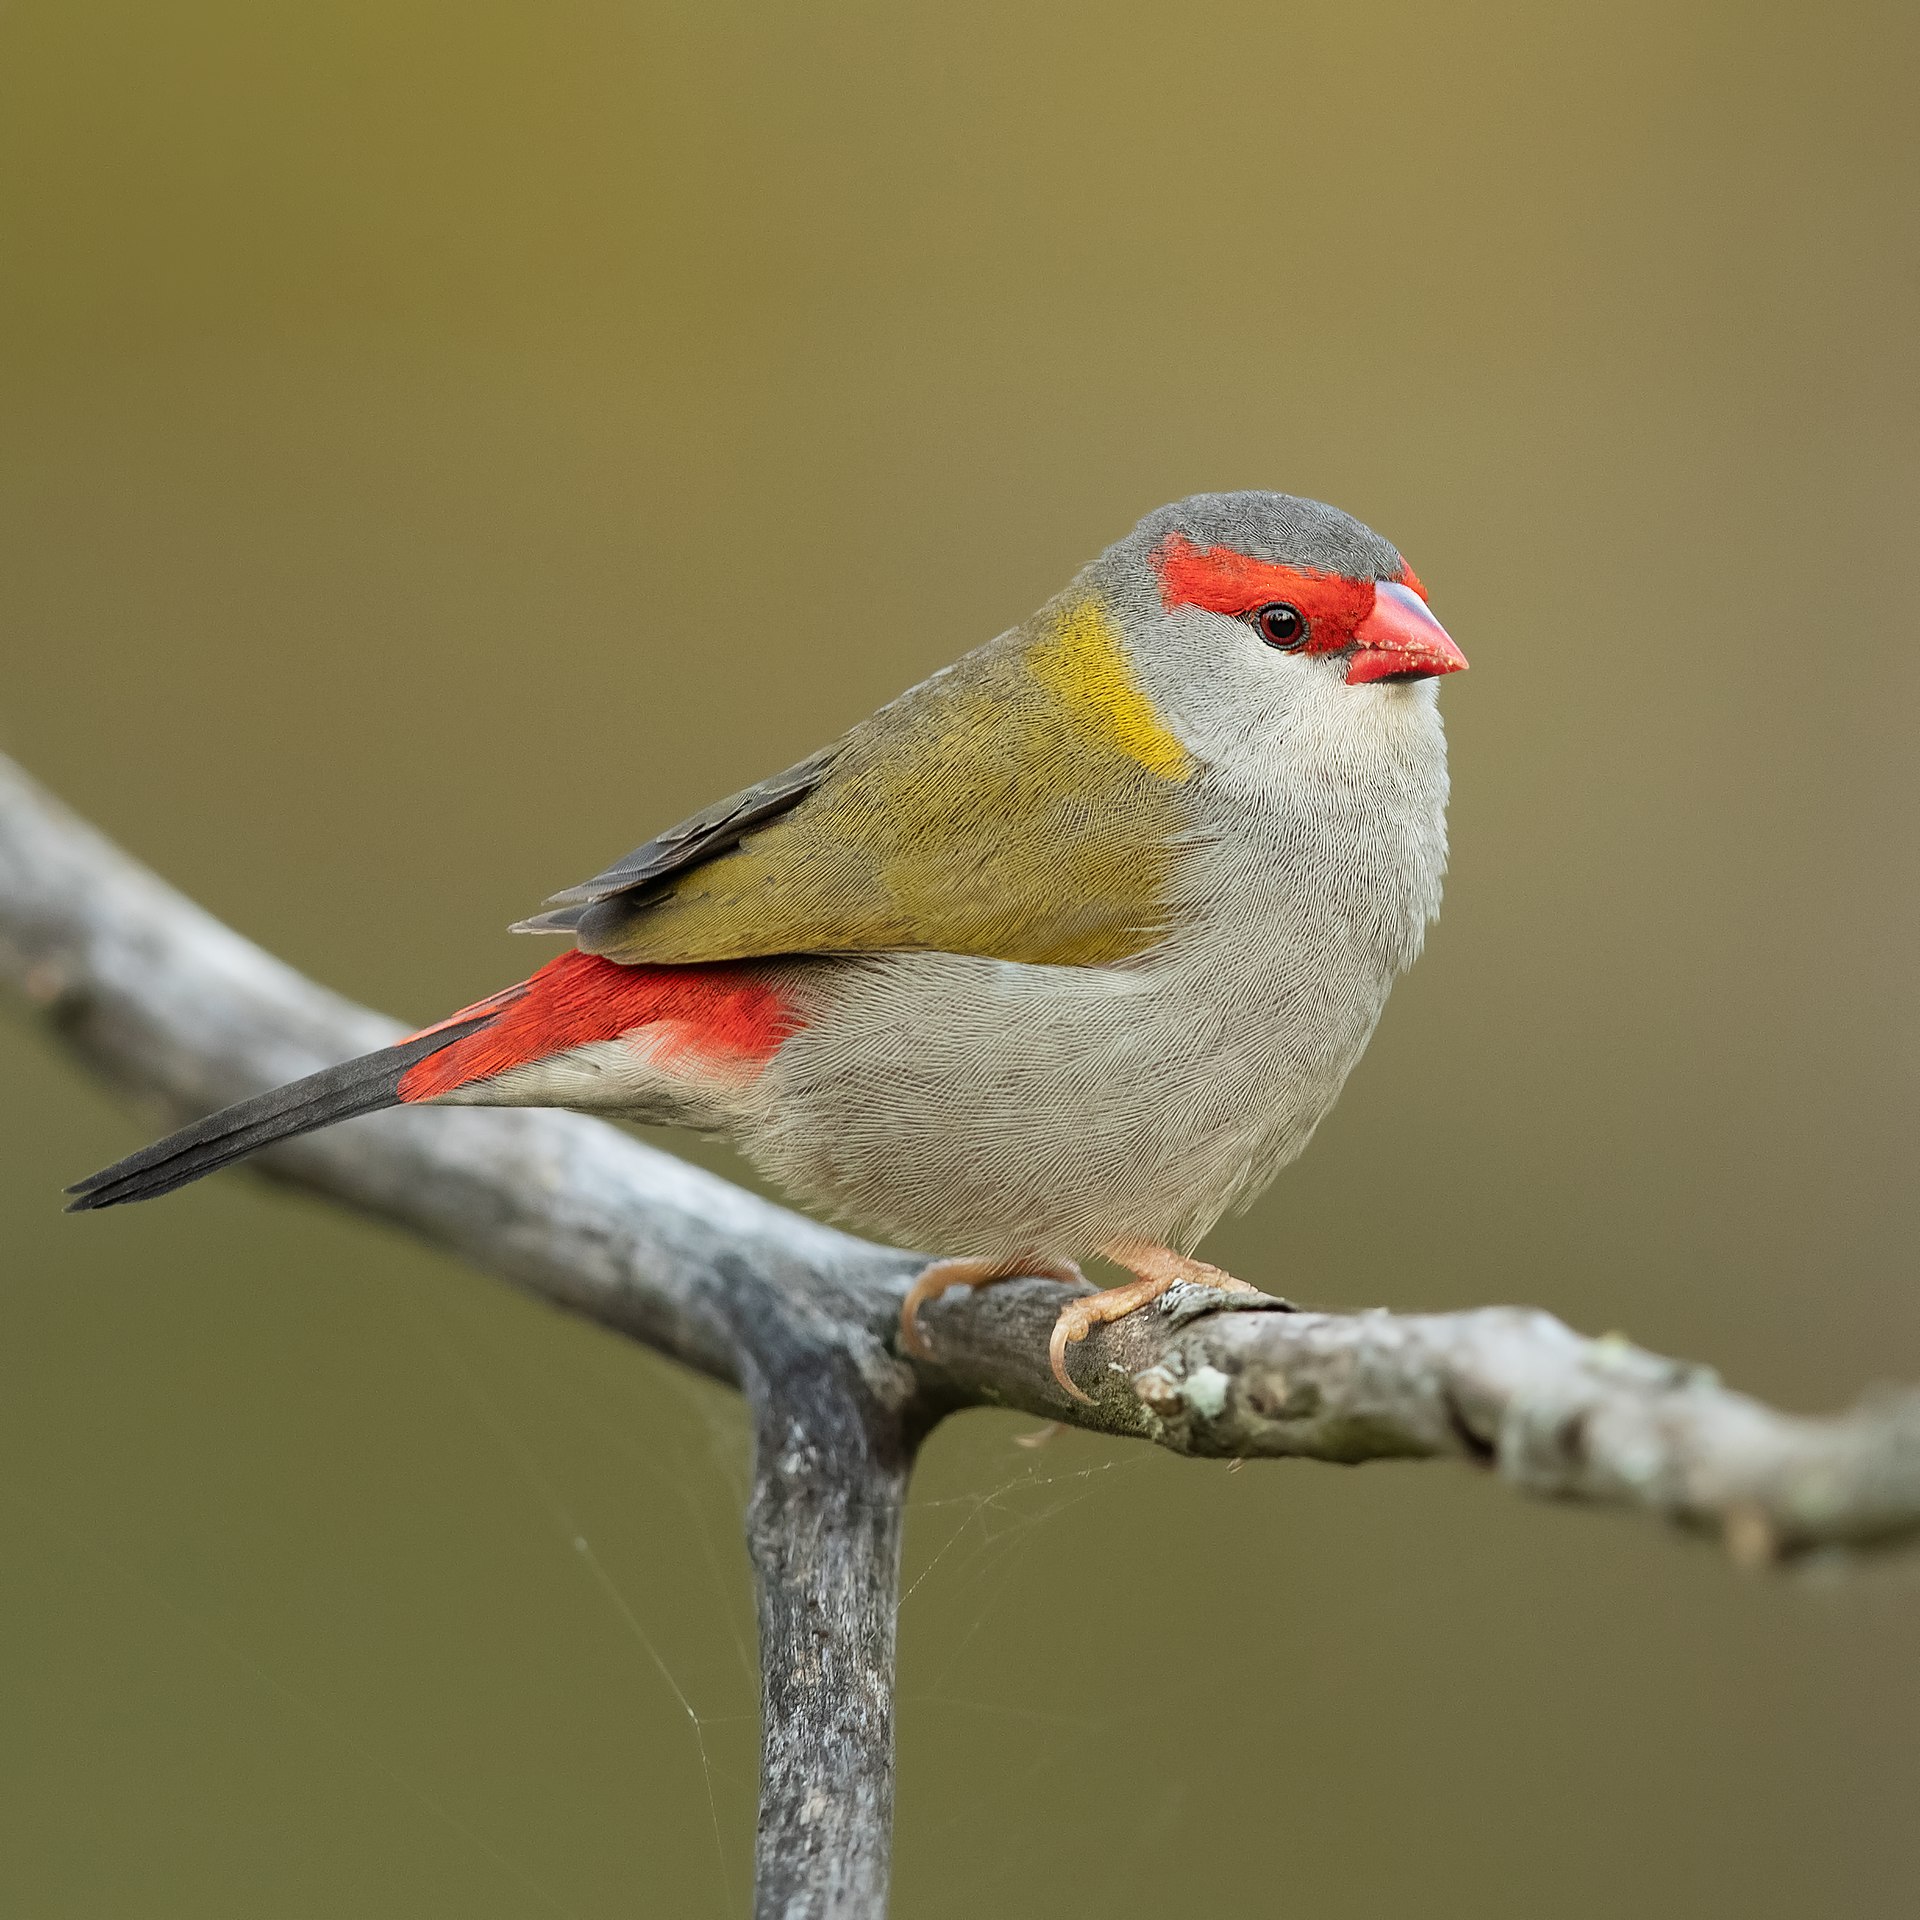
1081,663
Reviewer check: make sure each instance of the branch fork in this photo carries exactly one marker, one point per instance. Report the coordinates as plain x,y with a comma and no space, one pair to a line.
804,1320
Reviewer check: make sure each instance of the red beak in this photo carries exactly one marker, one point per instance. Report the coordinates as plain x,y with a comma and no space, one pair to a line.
1401,640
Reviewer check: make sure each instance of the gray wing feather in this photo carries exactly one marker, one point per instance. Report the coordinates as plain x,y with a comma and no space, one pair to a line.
699,837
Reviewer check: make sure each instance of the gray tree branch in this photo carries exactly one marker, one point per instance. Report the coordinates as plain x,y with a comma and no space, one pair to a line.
176,1007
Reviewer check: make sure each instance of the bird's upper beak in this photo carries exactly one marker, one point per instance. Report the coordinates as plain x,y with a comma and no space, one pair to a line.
1401,640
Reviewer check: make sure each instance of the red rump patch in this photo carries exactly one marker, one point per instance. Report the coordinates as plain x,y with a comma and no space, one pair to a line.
718,1013
1222,580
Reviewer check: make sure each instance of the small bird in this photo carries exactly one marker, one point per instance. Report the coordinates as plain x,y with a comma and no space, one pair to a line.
1064,951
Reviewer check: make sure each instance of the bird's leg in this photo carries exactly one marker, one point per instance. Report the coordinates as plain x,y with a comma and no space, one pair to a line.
1158,1268
936,1279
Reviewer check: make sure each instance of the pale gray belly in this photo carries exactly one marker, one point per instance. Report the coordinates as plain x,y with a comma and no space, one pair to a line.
972,1106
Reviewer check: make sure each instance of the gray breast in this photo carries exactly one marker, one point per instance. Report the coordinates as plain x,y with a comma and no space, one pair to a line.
974,1106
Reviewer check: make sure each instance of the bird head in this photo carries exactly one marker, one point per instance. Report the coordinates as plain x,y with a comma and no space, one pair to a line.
1236,607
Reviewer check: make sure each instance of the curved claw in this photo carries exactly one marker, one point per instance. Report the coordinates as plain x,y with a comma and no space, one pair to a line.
1069,1326
1078,1318
1158,1269
942,1275
930,1284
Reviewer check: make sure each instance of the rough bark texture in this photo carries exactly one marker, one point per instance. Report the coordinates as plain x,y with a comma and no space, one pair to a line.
803,1319
831,1462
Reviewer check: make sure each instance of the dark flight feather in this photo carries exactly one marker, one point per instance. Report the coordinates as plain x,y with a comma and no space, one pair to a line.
713,830
353,1087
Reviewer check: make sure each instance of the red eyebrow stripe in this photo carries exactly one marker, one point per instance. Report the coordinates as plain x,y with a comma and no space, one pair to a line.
1222,580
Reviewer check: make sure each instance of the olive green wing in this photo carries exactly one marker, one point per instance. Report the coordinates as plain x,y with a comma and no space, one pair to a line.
1024,805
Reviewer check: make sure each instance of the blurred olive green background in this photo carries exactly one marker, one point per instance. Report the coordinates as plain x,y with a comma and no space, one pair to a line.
442,444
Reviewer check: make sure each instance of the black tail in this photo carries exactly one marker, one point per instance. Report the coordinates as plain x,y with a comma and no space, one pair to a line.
357,1086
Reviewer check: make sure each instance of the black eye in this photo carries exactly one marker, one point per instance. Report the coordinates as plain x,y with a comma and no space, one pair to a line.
1281,625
